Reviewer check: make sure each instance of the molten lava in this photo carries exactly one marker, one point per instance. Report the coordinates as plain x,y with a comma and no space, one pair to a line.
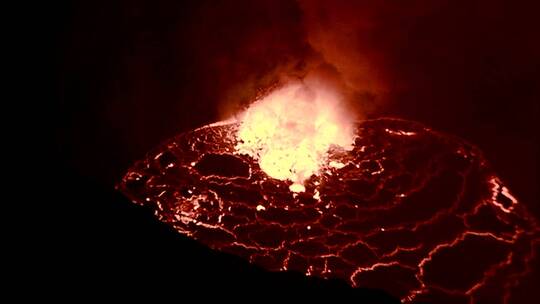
290,131
405,209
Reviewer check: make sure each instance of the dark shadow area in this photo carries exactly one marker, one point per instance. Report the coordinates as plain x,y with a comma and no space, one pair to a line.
103,245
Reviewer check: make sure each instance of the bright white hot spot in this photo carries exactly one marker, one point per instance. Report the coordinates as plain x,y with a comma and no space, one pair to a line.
290,131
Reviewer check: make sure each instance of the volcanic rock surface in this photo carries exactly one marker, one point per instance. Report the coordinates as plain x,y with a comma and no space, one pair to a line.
409,210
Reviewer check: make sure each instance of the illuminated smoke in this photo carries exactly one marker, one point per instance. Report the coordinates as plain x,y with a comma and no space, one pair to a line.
290,130
341,33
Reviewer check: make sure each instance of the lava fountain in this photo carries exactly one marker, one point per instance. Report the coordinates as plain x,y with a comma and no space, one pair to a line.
290,131
295,184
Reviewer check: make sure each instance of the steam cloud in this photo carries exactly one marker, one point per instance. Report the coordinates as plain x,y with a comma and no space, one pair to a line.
347,44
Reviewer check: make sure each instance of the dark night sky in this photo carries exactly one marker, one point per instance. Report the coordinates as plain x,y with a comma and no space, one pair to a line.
134,73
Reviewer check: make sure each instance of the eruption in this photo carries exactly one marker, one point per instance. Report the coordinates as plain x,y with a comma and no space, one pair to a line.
294,185
297,183
290,131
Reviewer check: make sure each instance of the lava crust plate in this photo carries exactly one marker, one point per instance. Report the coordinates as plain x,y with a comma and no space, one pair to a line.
409,210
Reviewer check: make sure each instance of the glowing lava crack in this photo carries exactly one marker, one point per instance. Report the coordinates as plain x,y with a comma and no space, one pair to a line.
407,209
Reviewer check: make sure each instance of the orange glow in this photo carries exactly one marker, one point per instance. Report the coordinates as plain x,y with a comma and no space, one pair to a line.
290,130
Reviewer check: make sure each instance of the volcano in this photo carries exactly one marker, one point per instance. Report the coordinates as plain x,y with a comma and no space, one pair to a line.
409,210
